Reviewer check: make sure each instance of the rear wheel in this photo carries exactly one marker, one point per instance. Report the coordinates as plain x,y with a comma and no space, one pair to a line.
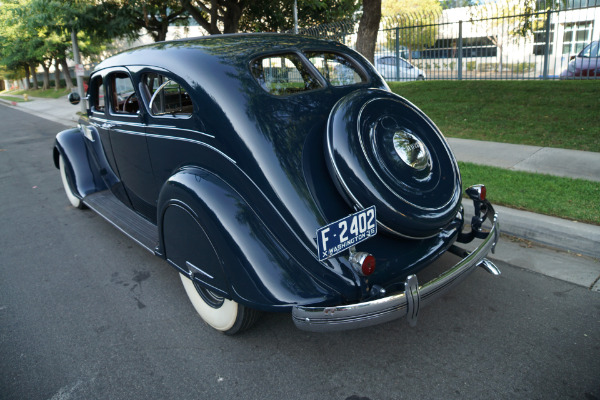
73,199
224,315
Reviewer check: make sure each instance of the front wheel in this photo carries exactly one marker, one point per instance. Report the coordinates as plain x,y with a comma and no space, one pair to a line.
73,199
224,315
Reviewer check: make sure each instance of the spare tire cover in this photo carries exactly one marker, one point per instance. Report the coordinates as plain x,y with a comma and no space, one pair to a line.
382,150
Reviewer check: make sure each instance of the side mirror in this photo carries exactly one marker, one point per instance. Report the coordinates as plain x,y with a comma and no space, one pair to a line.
74,98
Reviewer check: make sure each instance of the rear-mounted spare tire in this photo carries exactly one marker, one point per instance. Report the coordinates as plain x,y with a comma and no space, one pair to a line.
382,150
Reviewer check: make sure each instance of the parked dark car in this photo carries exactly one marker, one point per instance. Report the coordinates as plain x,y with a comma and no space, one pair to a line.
274,173
585,65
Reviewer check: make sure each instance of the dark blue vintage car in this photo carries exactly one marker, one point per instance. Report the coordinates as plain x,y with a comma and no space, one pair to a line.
275,173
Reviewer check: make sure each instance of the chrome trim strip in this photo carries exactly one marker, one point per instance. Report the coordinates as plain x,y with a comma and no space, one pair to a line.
129,132
198,270
194,142
180,129
96,120
359,315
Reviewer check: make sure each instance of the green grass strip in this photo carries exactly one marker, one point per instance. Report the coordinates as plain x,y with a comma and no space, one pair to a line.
574,199
13,98
47,94
561,114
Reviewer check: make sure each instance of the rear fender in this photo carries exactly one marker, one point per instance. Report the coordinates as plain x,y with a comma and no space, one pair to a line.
71,145
230,248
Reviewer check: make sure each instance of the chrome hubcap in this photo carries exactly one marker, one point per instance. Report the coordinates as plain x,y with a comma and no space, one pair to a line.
411,150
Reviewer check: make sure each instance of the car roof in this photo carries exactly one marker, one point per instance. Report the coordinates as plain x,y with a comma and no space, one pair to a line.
222,49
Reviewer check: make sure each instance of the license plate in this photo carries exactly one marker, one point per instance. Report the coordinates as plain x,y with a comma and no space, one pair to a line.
336,237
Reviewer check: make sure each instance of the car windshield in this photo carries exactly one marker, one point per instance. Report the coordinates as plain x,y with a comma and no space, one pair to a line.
592,50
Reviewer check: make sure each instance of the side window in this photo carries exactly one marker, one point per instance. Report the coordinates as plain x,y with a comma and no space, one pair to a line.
283,74
165,96
404,64
97,94
337,69
123,99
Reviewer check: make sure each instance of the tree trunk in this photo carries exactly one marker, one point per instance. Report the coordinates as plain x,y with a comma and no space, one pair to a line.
208,17
66,73
46,84
33,67
26,79
231,23
56,74
367,29
161,35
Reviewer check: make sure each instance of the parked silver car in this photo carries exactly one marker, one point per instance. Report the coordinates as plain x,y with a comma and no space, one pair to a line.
394,68
586,65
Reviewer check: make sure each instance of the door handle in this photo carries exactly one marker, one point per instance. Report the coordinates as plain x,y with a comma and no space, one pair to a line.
106,125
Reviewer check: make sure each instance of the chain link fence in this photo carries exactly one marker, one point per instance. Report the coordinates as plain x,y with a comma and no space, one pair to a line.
503,40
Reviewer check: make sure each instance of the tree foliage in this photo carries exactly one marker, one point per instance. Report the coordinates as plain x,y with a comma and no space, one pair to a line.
230,16
216,16
36,32
403,14
155,16
277,16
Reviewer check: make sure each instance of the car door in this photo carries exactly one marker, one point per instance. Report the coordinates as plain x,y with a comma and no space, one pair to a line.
176,136
129,144
98,135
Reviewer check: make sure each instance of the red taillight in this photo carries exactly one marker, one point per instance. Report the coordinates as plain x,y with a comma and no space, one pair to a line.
477,192
368,265
363,263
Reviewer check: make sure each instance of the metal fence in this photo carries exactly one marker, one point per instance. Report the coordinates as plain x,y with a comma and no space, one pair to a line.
503,40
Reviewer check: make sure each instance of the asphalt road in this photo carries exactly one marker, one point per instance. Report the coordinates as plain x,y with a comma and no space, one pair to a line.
87,314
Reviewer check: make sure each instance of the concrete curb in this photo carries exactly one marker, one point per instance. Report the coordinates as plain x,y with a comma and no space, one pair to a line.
558,233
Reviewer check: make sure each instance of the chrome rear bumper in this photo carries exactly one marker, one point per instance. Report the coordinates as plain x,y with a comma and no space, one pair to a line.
328,319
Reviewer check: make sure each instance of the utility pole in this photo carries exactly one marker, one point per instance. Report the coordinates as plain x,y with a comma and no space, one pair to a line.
78,70
295,17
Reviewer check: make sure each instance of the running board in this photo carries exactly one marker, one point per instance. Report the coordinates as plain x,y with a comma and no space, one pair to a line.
123,218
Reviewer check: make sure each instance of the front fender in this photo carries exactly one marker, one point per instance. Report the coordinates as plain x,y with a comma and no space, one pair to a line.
255,267
70,144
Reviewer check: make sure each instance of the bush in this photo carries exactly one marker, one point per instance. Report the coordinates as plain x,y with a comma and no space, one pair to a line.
488,67
471,65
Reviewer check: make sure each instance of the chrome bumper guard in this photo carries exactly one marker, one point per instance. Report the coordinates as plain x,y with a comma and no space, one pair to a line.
374,312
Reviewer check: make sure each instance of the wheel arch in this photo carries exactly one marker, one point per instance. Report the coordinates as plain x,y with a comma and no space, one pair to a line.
70,144
256,268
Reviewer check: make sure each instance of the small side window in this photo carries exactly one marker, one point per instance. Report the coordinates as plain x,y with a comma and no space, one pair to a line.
283,74
165,96
123,97
337,69
97,95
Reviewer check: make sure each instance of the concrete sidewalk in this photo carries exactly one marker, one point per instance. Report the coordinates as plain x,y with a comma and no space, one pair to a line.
568,236
543,160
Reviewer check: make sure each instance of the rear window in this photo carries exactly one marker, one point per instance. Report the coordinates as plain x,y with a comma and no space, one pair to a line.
337,69
283,74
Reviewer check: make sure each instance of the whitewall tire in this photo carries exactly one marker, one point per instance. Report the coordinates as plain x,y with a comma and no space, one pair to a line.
222,314
74,200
